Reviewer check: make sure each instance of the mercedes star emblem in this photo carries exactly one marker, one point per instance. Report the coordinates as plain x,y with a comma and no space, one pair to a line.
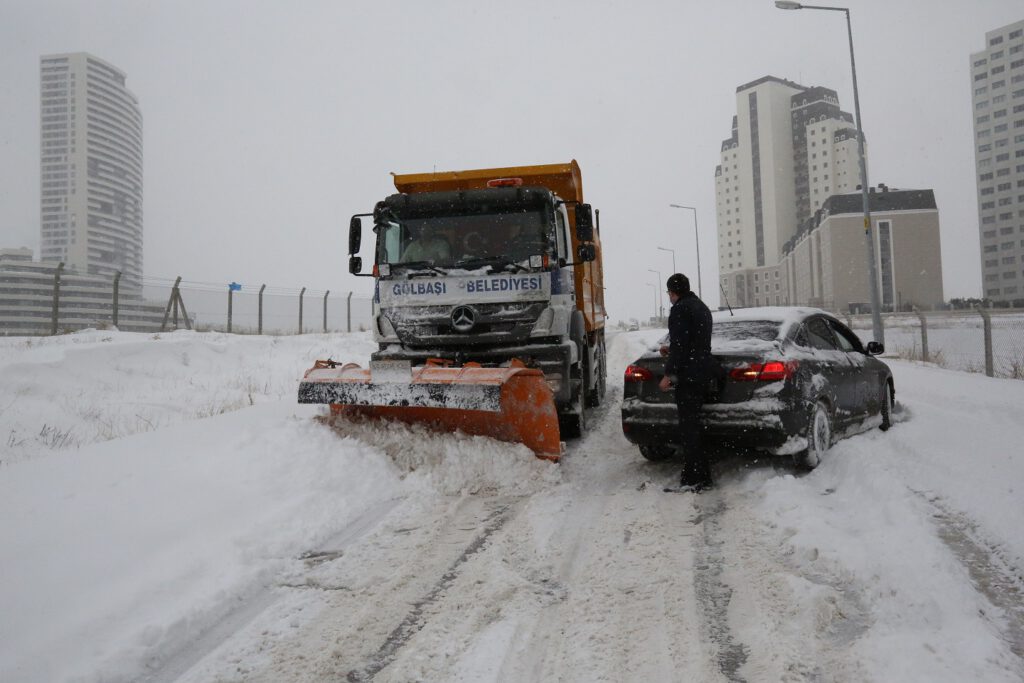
463,318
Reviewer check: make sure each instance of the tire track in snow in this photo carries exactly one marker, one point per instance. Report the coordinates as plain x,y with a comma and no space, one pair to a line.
414,620
261,600
712,592
993,577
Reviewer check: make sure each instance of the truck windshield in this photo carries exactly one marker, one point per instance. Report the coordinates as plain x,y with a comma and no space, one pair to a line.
469,240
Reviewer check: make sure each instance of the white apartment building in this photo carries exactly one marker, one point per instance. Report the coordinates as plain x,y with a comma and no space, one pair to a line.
84,301
791,148
91,168
997,81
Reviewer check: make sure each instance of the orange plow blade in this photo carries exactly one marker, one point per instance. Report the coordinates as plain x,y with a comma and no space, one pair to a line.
513,404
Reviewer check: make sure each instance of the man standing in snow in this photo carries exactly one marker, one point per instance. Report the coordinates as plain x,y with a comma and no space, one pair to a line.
688,368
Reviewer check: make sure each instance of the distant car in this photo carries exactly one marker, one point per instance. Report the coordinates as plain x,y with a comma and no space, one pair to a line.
789,381
633,327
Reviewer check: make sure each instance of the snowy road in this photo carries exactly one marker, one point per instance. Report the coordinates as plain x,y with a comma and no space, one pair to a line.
461,559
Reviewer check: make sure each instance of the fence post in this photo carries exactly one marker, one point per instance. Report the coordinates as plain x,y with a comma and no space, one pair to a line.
301,294
231,296
172,300
326,294
56,297
348,312
849,320
924,334
259,329
117,283
987,324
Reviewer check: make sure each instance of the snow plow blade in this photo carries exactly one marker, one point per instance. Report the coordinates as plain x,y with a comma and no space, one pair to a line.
513,404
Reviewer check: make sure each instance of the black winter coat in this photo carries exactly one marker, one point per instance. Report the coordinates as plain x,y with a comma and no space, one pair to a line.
689,331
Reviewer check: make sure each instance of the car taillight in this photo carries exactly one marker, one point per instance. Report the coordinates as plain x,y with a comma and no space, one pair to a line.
635,373
771,371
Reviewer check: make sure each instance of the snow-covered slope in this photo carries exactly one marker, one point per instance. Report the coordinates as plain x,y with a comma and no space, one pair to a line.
169,513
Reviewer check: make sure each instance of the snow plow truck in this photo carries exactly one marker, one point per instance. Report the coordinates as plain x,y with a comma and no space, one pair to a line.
488,307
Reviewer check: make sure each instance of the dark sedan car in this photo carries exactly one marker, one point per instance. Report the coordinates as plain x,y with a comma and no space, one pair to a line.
790,381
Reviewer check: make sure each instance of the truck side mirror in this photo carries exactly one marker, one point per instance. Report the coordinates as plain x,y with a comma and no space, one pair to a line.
584,223
355,265
586,253
355,235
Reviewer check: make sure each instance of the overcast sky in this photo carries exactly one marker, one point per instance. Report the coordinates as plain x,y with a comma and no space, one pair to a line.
266,125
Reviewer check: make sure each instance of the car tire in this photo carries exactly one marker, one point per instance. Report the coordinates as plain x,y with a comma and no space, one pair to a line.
656,452
886,407
818,435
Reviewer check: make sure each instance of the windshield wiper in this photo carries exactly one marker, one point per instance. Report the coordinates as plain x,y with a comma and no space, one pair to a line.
420,264
495,262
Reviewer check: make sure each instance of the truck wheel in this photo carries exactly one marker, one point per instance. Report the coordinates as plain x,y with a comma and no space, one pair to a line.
573,422
596,392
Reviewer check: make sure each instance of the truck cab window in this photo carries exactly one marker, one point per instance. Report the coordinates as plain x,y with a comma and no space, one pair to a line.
560,234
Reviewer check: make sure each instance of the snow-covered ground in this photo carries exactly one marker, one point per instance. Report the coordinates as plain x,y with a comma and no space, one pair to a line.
170,514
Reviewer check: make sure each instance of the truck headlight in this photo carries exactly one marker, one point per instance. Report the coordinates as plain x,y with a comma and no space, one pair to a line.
384,326
543,325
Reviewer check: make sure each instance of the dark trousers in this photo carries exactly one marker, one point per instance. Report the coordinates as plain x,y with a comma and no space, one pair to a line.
689,399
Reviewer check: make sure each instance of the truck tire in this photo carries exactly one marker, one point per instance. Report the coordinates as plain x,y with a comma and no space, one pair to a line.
594,372
597,389
573,422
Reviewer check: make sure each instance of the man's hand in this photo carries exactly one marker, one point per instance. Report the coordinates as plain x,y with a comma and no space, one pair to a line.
665,384
663,350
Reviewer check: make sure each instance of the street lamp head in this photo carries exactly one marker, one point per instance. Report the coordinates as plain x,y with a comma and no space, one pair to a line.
787,4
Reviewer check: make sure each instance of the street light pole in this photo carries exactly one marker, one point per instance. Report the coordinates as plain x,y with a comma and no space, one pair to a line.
876,305
655,299
696,237
660,308
673,257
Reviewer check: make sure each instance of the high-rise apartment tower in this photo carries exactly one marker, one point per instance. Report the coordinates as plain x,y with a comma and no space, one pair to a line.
91,168
997,82
791,148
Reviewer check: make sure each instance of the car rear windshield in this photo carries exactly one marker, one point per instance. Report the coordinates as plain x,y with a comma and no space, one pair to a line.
731,331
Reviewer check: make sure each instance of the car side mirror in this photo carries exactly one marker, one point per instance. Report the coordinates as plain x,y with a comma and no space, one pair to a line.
355,265
584,223
875,348
355,235
586,253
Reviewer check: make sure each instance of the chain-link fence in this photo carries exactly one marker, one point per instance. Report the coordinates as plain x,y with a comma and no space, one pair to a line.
978,340
44,298
260,309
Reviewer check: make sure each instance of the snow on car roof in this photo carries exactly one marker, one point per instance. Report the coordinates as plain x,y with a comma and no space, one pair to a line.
778,314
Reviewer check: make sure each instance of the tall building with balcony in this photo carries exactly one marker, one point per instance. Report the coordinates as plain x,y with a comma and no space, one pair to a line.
91,168
791,148
997,82
789,210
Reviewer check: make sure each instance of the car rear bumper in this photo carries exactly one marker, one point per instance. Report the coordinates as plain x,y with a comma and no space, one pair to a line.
766,424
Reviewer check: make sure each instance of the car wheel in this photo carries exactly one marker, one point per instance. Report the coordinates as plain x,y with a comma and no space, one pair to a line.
656,452
818,435
886,407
